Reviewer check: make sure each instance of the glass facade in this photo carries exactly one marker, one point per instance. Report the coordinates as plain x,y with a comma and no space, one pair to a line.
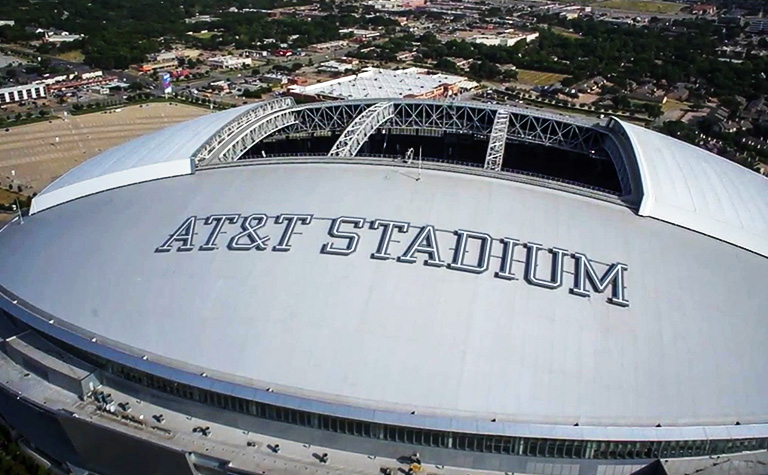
492,444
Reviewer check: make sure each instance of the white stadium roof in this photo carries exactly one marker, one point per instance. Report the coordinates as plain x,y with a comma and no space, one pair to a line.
681,184
388,336
698,190
159,155
382,83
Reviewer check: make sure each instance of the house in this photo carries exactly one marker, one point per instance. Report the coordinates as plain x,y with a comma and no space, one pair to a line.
703,9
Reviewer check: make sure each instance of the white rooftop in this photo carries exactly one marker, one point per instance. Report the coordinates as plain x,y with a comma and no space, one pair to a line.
698,190
162,154
380,83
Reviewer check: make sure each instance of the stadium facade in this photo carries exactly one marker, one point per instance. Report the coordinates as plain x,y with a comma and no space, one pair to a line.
492,288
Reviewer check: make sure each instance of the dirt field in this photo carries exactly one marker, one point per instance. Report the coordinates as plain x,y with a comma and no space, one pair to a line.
642,6
537,78
74,56
37,158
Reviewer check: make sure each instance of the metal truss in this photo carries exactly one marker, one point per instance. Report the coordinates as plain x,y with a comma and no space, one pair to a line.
443,116
358,131
497,141
408,116
328,116
238,123
553,133
253,134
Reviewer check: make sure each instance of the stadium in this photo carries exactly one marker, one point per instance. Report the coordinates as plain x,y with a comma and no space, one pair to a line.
367,286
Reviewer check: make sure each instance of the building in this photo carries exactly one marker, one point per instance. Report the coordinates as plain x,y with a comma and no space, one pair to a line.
9,95
7,22
507,38
229,62
376,83
757,25
49,79
159,66
397,5
274,79
56,36
357,286
360,36
328,46
163,56
334,67
703,9
251,53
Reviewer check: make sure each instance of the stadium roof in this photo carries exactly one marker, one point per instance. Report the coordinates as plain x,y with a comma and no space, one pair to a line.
162,154
698,190
681,184
382,83
352,335
384,335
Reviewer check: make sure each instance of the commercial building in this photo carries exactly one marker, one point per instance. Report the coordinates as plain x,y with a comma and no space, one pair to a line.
507,38
158,66
56,36
334,67
338,287
328,46
229,62
376,83
26,92
397,5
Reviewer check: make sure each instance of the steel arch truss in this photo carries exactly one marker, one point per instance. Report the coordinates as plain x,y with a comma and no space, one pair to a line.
553,133
252,135
497,141
443,116
356,120
239,123
327,117
358,131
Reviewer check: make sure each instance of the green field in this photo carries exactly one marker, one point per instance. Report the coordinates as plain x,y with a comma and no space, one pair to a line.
537,78
564,32
203,35
7,197
74,56
641,6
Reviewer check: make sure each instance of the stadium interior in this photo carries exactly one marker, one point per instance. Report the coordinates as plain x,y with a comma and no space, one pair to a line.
594,170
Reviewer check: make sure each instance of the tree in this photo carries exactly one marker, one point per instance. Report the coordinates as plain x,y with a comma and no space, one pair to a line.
568,81
445,64
484,70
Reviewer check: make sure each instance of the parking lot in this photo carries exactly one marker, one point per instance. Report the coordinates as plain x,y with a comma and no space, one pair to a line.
34,155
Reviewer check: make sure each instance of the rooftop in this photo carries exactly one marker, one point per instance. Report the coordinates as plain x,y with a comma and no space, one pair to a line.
382,83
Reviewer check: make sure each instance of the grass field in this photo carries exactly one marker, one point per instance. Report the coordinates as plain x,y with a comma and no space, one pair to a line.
75,56
8,196
564,32
537,78
642,6
203,35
